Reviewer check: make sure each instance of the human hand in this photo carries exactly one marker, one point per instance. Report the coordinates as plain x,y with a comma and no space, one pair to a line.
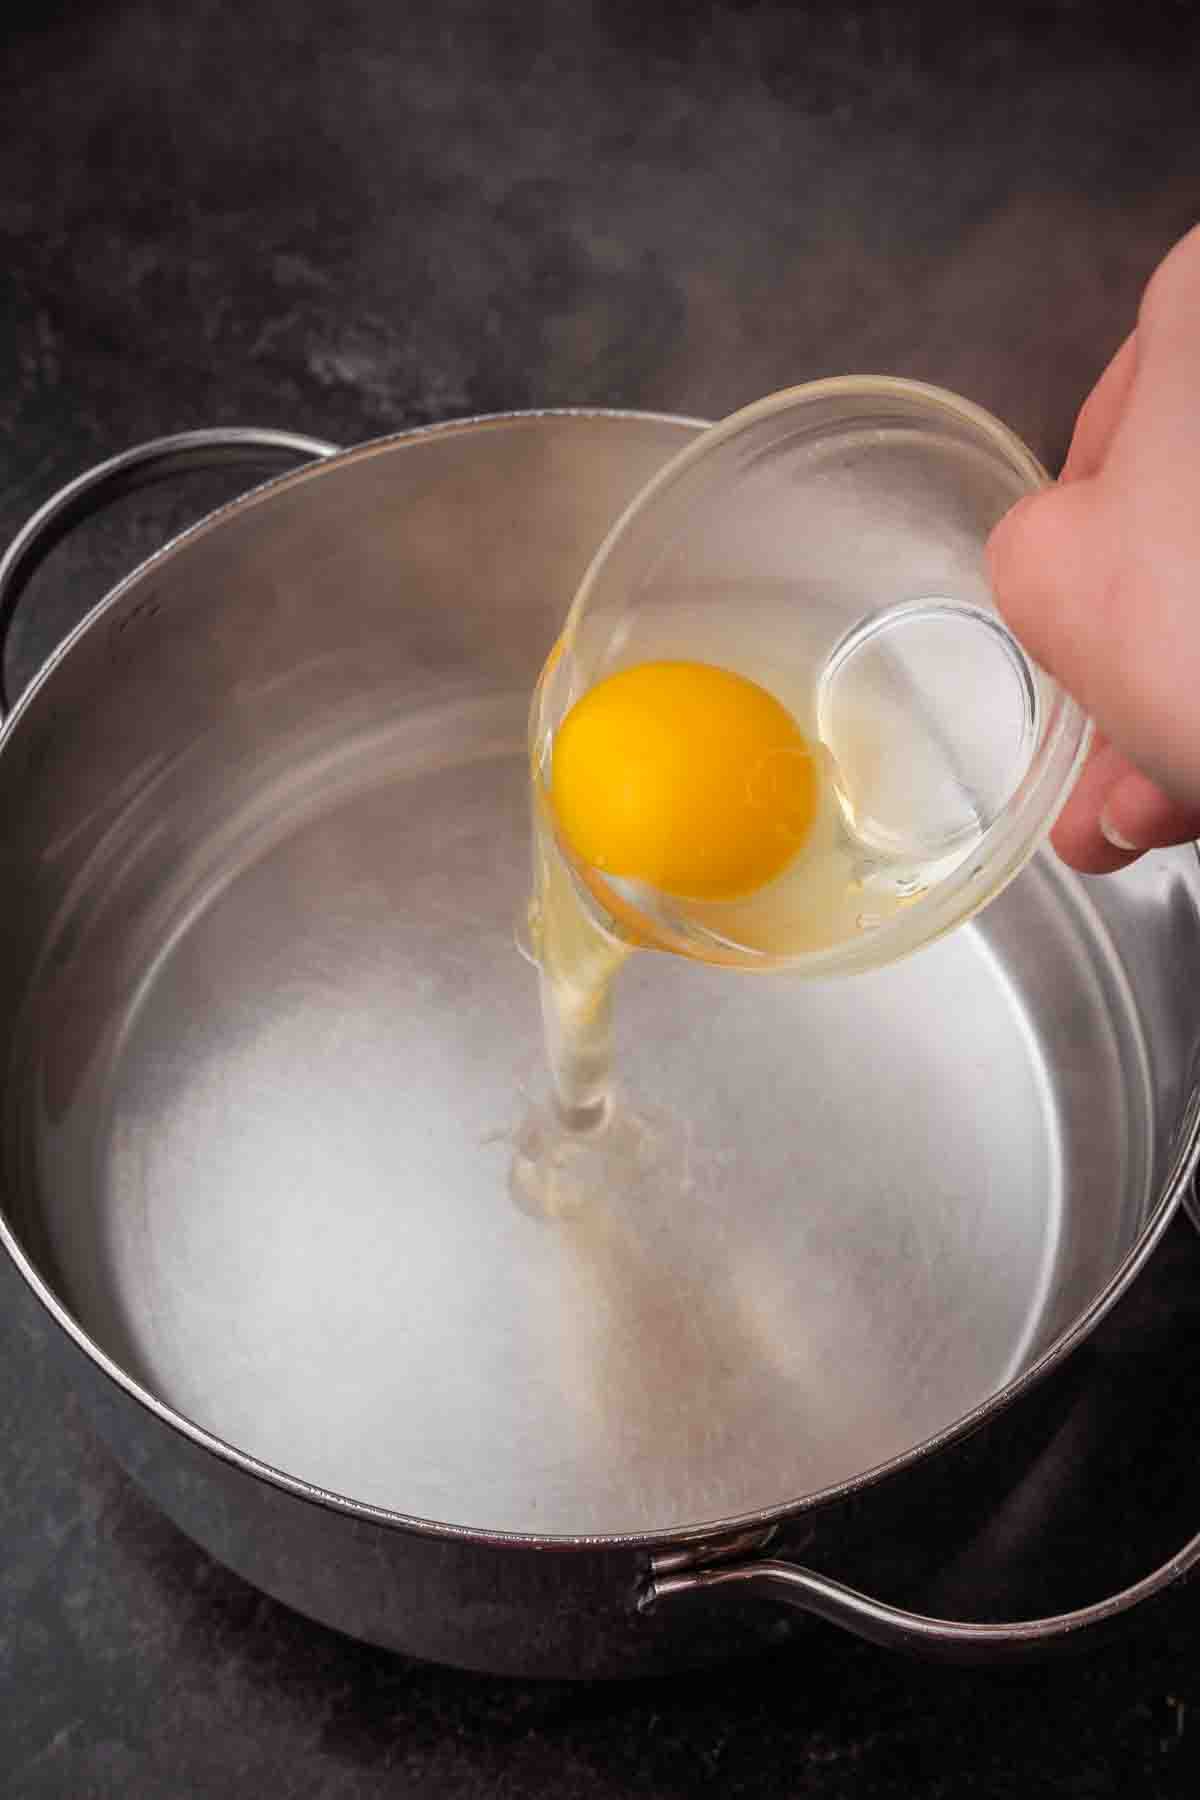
1099,578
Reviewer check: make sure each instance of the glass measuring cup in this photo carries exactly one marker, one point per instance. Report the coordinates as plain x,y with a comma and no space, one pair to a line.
827,542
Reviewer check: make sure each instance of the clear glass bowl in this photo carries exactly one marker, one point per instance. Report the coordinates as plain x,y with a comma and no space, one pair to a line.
828,543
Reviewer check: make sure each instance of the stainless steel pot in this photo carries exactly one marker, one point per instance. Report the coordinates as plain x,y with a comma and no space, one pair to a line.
269,1044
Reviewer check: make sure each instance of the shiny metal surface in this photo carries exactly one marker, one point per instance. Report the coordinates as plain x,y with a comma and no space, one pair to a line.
273,1039
296,1127
145,463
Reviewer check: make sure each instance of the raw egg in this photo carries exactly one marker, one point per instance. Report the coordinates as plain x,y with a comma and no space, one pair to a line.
686,777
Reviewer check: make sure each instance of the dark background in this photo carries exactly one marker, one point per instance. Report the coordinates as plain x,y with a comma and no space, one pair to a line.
350,218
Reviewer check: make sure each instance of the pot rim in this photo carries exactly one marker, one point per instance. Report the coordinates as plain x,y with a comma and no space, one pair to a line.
1186,1160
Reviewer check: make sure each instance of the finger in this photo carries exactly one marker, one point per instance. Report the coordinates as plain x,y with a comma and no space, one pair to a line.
1171,291
1168,306
1137,816
1046,558
1101,414
1078,837
1157,439
1117,634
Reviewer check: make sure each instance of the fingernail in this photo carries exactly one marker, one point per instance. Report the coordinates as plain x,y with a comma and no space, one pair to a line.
1113,836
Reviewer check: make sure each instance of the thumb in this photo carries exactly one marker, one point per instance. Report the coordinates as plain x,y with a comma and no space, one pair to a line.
1044,558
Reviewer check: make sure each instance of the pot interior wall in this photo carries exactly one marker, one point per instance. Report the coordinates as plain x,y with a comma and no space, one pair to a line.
275,1050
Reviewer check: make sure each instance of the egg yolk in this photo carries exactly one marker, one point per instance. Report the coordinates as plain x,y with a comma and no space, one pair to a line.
686,777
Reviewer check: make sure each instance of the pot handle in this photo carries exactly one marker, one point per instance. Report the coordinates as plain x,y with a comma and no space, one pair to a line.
123,474
674,1574
947,1640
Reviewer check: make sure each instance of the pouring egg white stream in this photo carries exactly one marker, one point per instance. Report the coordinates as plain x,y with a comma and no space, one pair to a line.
679,805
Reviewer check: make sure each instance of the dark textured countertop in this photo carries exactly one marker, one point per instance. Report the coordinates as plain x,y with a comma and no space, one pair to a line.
349,218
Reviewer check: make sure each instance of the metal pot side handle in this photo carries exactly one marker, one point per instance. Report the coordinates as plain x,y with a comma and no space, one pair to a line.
132,469
944,1640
